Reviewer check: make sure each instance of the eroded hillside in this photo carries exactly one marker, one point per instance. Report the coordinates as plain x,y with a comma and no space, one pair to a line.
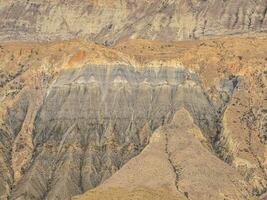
108,22
77,116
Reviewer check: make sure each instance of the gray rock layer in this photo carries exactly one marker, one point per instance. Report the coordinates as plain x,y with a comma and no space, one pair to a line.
95,119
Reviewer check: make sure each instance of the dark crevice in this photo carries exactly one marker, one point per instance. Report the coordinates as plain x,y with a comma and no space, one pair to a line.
84,146
264,16
217,143
14,120
236,18
176,169
250,119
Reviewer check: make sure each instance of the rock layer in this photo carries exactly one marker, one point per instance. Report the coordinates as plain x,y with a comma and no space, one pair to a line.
67,108
96,118
174,162
108,22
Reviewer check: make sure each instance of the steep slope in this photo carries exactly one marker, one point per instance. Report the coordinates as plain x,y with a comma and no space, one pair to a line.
94,119
174,162
68,108
108,22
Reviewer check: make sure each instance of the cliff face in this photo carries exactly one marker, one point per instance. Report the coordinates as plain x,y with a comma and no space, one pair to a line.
73,114
108,22
172,163
93,120
98,100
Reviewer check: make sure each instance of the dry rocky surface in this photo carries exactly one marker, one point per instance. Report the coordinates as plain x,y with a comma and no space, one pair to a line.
100,100
110,21
77,116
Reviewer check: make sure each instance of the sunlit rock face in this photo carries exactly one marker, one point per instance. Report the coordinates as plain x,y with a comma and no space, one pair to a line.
70,116
96,118
108,22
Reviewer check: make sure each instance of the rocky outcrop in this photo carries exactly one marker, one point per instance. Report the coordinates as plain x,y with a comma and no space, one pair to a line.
82,113
94,119
173,163
108,22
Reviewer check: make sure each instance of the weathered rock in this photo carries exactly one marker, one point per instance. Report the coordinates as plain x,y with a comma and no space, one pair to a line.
89,125
107,22
82,99
175,162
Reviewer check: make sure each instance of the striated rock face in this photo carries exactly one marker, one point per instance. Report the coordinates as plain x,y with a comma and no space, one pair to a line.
99,100
172,163
140,120
94,119
109,21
